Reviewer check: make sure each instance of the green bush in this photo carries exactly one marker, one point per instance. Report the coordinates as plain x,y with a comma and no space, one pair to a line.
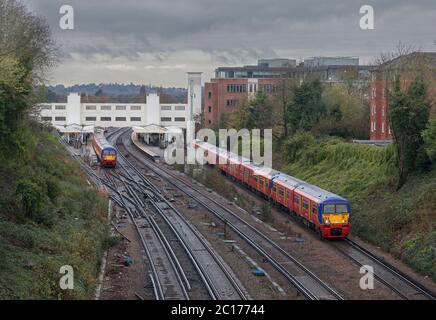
430,139
31,196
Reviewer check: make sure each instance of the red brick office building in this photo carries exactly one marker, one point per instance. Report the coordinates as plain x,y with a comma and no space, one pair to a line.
233,85
383,78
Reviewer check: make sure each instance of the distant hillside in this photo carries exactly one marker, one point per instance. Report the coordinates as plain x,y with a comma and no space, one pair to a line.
118,92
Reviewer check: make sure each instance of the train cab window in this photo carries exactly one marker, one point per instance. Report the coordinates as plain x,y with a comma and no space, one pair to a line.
329,208
341,208
335,208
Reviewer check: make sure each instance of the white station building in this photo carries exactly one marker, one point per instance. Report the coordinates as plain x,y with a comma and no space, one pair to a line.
152,112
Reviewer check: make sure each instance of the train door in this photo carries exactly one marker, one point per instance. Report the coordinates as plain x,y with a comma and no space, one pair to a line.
288,199
305,208
274,193
297,203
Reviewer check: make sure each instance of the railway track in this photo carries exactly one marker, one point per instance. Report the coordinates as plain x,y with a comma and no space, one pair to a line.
391,277
167,275
217,277
305,281
396,280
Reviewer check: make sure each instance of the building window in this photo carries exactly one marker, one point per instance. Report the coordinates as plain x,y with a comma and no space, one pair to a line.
46,118
180,108
269,88
165,119
210,109
60,118
135,108
91,119
105,108
120,119
165,108
135,119
210,94
374,110
59,107
179,119
91,107
374,93
383,111
46,107
383,127
232,102
237,88
210,122
120,108
105,119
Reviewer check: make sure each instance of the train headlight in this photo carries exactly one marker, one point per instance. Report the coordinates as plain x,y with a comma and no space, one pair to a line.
343,220
327,221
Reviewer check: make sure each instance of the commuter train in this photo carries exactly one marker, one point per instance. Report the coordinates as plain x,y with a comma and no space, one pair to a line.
325,212
106,154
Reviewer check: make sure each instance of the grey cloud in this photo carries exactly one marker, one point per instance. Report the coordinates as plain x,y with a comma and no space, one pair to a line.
231,32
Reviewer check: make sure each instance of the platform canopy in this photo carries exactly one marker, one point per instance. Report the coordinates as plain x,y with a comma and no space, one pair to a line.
151,128
74,128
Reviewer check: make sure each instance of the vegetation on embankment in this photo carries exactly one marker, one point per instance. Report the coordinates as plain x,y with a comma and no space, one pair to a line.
50,216
401,222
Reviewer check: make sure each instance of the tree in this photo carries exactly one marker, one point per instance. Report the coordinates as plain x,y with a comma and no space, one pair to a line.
283,99
307,106
256,113
408,117
26,51
346,114
429,136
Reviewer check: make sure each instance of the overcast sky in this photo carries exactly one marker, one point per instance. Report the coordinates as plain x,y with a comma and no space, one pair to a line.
158,41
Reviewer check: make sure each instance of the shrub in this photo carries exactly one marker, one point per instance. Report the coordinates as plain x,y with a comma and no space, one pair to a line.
430,139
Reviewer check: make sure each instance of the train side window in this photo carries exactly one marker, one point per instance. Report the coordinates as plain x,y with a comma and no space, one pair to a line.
288,195
296,199
274,189
314,209
281,192
305,204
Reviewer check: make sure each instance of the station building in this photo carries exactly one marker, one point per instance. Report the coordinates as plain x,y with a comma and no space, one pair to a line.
78,114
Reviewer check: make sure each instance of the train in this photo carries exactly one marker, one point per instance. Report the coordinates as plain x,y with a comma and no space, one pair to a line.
106,153
323,211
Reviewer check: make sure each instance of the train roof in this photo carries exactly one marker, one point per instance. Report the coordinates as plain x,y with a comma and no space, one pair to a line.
319,193
101,139
288,180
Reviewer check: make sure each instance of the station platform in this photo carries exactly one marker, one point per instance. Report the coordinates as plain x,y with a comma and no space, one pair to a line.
154,153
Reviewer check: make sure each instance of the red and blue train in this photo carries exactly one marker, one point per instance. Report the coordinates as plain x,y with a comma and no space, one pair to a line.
325,212
106,153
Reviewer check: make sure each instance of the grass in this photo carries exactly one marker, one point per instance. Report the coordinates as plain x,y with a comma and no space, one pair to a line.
401,222
62,222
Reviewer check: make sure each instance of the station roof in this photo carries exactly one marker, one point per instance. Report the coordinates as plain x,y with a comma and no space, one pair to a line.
151,128
74,128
